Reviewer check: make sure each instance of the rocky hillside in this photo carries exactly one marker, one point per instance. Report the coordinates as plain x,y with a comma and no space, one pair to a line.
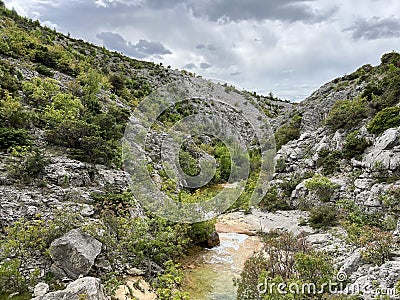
340,161
65,192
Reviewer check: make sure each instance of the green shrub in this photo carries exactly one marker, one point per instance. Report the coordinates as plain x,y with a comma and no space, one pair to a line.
86,143
377,244
116,204
117,83
355,145
43,70
387,118
70,133
39,92
188,163
12,113
46,57
272,202
9,78
391,58
288,132
322,186
32,166
11,137
347,114
372,89
329,161
63,107
167,285
285,259
96,150
289,185
25,241
323,216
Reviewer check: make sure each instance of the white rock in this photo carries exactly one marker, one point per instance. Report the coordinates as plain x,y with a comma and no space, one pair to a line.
40,289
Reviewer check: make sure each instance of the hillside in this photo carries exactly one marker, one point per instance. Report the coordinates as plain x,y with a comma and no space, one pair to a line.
66,105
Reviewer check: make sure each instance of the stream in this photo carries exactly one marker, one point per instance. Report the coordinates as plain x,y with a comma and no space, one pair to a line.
209,274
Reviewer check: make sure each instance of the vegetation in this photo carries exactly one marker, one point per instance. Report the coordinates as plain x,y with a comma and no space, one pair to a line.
368,230
323,216
322,186
273,202
287,260
355,145
387,118
347,114
329,161
59,95
288,132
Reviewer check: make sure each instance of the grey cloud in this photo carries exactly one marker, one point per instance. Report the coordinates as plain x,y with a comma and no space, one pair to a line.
190,66
235,73
142,49
212,47
375,28
238,10
205,65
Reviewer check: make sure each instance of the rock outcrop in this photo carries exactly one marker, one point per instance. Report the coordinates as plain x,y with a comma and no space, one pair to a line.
75,253
88,288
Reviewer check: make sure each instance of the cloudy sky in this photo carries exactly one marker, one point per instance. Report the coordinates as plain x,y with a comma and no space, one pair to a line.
289,47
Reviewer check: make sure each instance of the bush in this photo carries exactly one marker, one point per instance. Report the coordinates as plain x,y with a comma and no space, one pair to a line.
324,216
11,137
115,204
355,145
288,132
167,284
377,243
12,113
329,161
387,118
86,143
33,165
70,133
25,241
8,78
322,186
39,91
63,107
391,58
285,260
347,114
272,202
46,57
43,70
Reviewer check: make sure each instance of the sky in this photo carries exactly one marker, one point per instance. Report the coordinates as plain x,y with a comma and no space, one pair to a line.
287,47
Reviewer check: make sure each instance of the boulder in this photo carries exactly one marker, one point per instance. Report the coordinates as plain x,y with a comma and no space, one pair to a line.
352,263
88,288
75,253
40,289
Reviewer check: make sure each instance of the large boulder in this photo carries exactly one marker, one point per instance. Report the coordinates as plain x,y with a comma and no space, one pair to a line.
88,288
75,253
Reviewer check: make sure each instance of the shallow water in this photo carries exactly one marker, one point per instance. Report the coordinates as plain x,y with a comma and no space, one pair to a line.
209,273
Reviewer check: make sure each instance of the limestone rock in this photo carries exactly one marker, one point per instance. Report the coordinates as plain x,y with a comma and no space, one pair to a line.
88,288
352,263
40,289
75,253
